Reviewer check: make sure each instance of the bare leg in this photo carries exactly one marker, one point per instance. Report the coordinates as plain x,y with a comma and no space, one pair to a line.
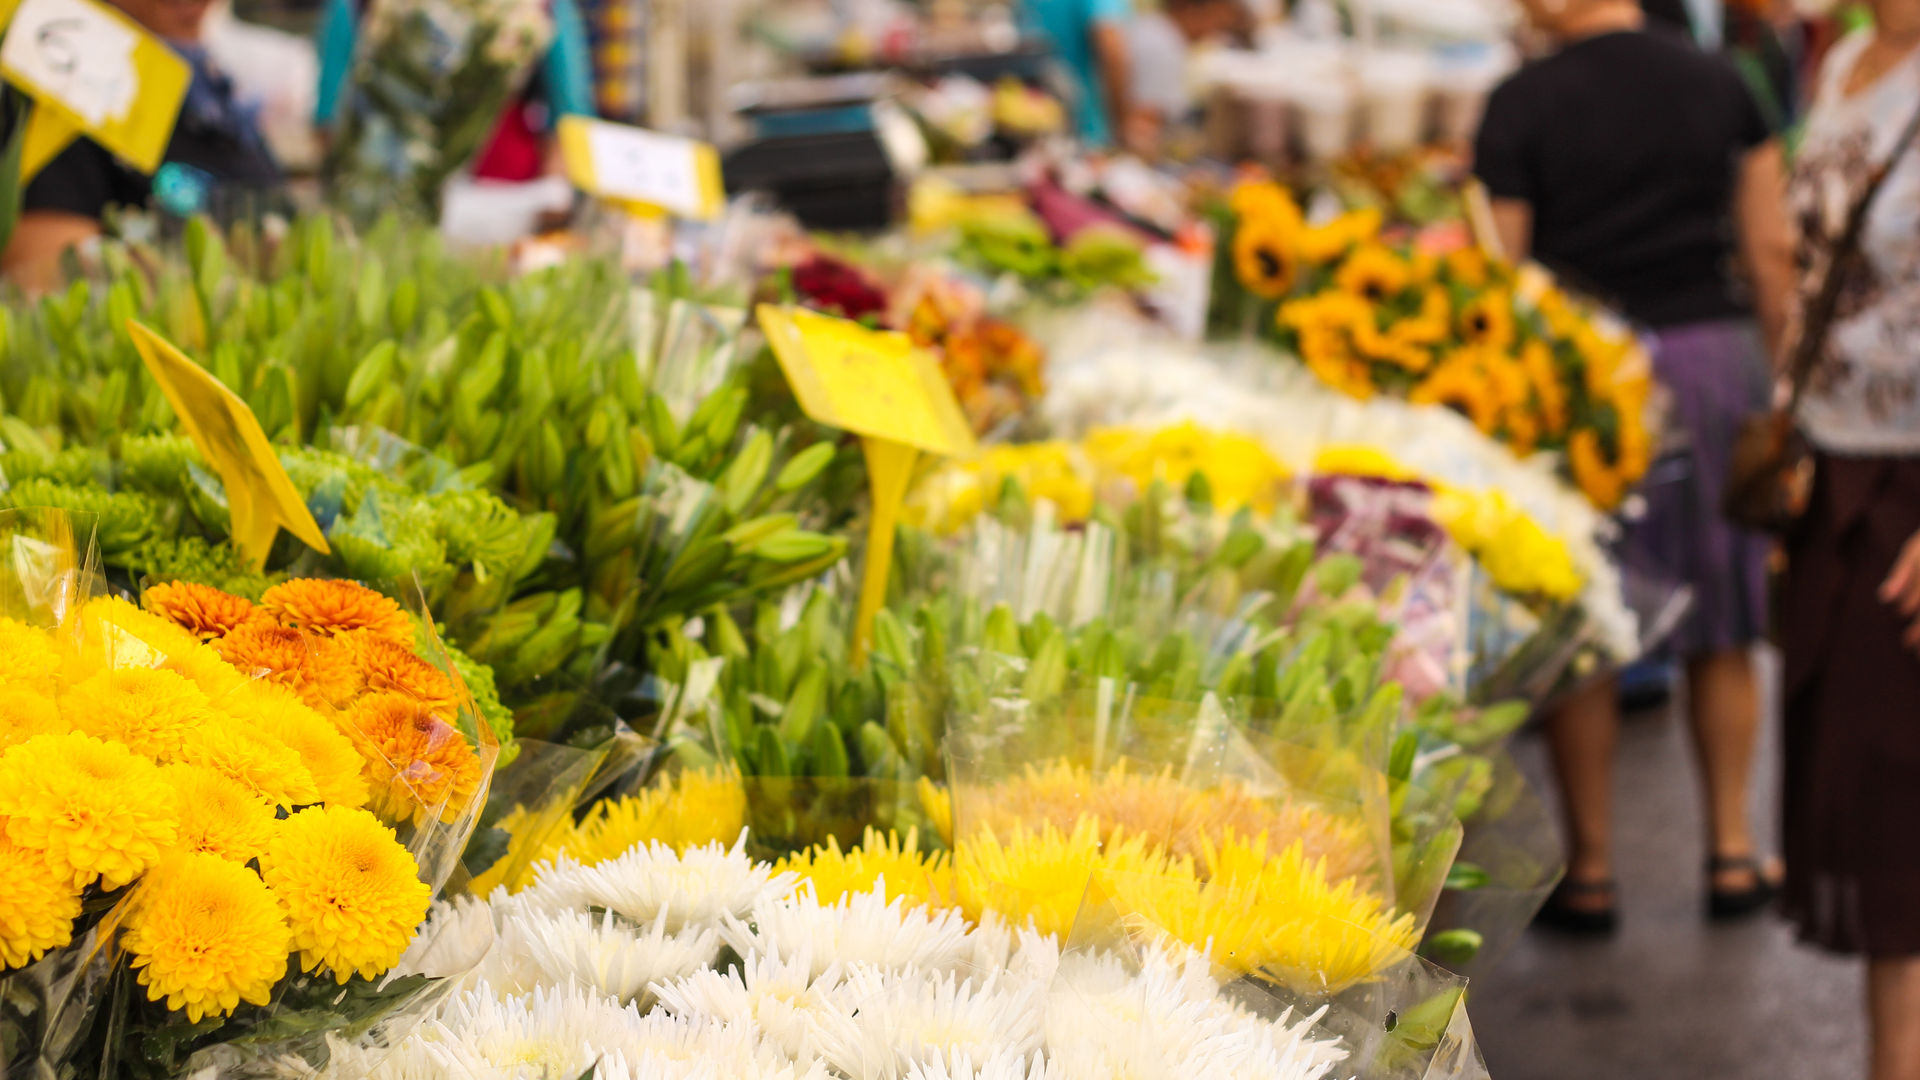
1893,1013
1584,734
1724,705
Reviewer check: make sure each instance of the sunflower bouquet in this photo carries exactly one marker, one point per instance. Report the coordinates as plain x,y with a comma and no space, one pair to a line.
223,823
1527,364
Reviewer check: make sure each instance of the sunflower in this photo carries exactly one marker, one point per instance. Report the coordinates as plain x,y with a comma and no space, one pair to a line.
1550,395
318,668
148,710
1374,274
1389,348
326,751
353,895
37,907
1468,266
879,859
1462,385
1264,258
1431,326
335,607
1488,320
1604,485
26,712
1321,244
201,610
255,760
1264,200
28,657
387,665
89,809
419,766
205,935
218,815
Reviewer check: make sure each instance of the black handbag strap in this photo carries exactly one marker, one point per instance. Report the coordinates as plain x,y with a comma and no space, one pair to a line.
1817,321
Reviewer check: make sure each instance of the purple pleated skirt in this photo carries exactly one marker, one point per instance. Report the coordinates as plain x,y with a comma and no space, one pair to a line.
1716,376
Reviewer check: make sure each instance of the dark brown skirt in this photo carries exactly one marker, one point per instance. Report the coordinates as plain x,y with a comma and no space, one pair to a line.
1851,698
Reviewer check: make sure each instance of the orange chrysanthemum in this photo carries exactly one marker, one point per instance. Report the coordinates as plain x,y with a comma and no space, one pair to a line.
419,765
201,610
336,607
318,668
389,666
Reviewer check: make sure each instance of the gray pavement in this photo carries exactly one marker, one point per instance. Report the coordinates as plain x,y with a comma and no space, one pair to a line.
1671,997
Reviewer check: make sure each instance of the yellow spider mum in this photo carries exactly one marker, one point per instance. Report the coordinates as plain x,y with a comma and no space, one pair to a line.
90,809
535,838
699,806
318,668
417,764
880,857
28,657
253,759
389,666
26,712
353,895
326,751
151,711
1240,471
1035,873
1374,274
937,803
37,907
205,935
219,816
1263,257
201,610
336,607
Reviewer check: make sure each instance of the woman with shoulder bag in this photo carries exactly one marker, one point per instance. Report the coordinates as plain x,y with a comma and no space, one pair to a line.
1851,593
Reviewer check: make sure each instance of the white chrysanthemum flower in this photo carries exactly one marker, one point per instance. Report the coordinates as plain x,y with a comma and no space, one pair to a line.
784,1000
603,954
858,929
430,1053
694,889
454,940
961,1067
894,1021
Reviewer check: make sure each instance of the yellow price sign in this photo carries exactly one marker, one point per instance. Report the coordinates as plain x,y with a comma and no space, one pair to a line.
260,498
96,72
642,169
877,385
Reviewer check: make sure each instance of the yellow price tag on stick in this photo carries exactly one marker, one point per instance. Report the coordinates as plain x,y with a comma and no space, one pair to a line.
100,73
260,498
642,170
878,386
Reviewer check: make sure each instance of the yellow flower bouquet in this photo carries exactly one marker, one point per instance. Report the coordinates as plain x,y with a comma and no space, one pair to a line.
216,817
1529,365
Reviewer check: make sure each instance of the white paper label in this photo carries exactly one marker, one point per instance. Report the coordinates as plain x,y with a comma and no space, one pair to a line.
629,163
76,53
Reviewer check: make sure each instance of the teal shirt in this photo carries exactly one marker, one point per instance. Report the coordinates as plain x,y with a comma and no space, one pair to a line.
1069,25
568,67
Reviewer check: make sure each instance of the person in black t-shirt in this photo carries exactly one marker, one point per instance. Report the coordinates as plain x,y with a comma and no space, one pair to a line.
215,160
1641,171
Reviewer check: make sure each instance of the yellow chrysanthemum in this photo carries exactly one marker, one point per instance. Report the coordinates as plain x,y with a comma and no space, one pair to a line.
151,711
37,907
89,809
418,765
1264,258
336,607
26,712
201,610
253,759
937,803
1240,471
218,815
327,752
1373,273
535,837
318,668
699,806
1516,552
880,857
205,935
1035,873
389,666
353,895
29,659
1350,460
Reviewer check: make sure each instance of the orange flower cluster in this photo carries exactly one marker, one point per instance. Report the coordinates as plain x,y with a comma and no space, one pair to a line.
995,369
346,651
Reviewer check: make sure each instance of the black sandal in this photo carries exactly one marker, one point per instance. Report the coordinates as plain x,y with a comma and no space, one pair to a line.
1559,914
1731,905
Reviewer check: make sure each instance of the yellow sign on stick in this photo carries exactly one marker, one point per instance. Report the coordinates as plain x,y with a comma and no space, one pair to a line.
877,385
643,170
260,498
100,73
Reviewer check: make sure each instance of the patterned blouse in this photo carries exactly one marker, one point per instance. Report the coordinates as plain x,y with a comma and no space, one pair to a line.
1864,395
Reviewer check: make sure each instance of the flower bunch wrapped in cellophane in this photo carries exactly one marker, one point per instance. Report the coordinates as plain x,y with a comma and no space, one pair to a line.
702,963
1527,364
222,823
